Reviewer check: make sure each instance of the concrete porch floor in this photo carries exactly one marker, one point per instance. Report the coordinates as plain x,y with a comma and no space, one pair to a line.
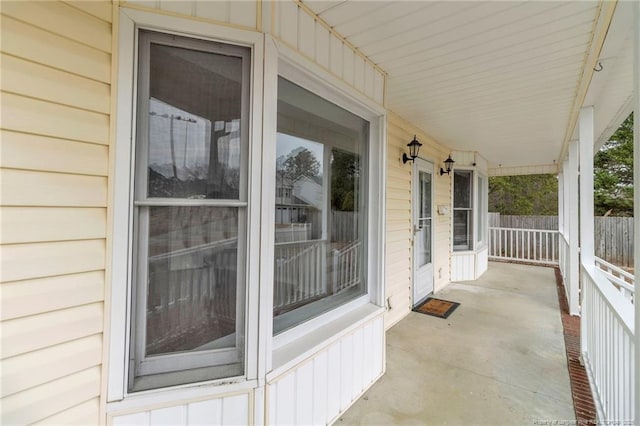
499,359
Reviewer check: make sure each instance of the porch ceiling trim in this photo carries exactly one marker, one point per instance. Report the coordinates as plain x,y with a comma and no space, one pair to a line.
601,27
542,169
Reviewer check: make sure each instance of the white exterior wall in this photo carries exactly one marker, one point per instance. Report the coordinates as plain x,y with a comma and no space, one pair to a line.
399,231
56,83
324,385
236,13
360,351
223,410
297,27
57,136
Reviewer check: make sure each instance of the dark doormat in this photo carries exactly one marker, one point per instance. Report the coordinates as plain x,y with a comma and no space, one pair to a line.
436,307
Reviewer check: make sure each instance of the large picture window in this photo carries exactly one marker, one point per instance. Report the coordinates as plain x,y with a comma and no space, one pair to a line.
462,210
320,216
189,210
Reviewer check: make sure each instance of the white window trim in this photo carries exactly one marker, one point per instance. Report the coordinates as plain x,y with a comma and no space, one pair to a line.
481,217
282,61
473,209
119,318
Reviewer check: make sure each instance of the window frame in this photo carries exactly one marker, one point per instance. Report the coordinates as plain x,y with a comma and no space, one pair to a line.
300,315
287,65
482,213
120,243
471,230
161,364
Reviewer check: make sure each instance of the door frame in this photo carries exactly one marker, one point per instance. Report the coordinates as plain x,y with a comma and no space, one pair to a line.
421,163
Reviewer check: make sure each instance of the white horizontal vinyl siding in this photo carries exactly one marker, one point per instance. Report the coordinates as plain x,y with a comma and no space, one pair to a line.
398,226
56,73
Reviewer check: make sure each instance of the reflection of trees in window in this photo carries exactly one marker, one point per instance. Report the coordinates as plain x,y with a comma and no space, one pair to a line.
304,163
345,173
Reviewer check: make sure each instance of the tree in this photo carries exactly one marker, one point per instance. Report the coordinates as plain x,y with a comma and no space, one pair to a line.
524,195
613,173
303,163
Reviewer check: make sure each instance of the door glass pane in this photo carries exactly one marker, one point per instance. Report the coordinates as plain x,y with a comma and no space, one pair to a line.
194,124
425,194
191,296
424,221
424,239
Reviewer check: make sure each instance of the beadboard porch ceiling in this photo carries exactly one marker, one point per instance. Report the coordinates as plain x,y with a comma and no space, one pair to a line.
506,79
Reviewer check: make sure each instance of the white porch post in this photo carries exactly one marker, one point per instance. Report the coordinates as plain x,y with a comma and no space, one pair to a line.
586,186
636,201
561,202
561,254
572,228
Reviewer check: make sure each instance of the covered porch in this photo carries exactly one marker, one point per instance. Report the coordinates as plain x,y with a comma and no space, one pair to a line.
500,358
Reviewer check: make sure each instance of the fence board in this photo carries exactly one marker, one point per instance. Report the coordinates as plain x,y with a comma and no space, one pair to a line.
613,236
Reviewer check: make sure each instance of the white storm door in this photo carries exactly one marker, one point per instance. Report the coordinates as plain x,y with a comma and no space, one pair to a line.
422,230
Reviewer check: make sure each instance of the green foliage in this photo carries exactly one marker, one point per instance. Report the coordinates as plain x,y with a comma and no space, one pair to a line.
613,173
345,170
524,195
537,194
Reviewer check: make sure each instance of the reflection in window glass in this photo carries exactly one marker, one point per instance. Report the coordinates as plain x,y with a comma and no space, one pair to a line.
188,279
462,210
320,186
194,124
192,277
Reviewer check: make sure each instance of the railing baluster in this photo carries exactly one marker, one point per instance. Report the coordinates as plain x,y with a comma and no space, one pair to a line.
530,245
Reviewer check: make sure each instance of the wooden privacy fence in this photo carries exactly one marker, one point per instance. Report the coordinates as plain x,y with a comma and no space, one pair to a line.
613,236
613,240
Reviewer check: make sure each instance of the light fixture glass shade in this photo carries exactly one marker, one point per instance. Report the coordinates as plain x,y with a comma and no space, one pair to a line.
414,147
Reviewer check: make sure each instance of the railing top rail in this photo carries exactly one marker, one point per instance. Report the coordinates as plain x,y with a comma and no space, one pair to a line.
229,242
621,307
299,243
620,282
614,268
548,231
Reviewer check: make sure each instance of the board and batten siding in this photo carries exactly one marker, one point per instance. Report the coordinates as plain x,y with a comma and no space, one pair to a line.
296,26
222,410
318,390
399,227
55,99
243,14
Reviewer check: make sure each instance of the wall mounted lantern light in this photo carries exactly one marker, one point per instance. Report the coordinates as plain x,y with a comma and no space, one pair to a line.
414,147
448,163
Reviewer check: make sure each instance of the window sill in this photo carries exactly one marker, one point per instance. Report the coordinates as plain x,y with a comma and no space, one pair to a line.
304,347
468,252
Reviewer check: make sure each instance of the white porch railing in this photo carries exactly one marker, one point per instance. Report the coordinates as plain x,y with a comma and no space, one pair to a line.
621,279
298,272
608,346
346,268
525,245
